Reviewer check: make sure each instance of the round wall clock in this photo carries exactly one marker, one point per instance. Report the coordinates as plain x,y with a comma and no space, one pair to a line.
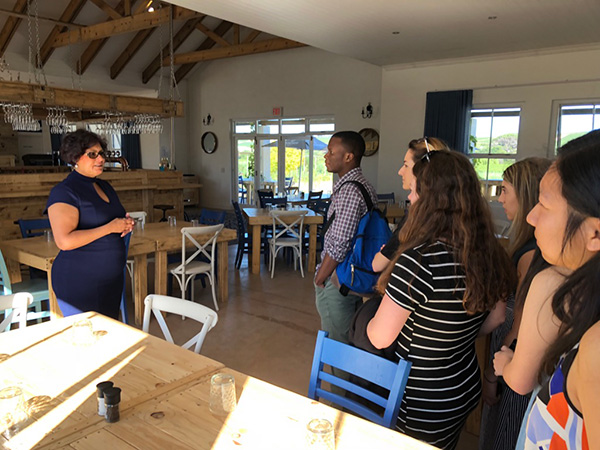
371,138
209,142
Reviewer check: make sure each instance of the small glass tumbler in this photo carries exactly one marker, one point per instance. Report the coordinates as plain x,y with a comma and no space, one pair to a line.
12,412
48,236
222,394
82,332
139,224
320,434
195,223
172,221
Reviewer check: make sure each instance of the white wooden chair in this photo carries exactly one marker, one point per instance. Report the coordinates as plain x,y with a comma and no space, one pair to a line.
189,267
287,235
140,217
156,304
15,309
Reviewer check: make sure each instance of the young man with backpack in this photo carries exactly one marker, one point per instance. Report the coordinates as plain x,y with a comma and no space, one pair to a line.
348,206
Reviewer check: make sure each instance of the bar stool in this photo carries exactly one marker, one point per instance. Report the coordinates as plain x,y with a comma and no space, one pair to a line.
164,209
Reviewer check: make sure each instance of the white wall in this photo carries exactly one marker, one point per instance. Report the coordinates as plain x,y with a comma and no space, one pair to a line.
532,81
304,81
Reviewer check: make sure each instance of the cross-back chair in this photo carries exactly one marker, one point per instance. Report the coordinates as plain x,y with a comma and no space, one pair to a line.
204,239
15,308
157,304
287,233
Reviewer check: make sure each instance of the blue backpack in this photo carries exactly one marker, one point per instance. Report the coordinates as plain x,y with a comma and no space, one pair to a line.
355,273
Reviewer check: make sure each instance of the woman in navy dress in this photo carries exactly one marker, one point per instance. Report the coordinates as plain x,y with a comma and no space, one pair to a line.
88,223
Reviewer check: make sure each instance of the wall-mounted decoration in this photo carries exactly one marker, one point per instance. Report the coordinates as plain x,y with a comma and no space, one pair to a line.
371,138
209,142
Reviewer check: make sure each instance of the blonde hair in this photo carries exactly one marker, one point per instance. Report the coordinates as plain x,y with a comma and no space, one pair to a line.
419,146
525,177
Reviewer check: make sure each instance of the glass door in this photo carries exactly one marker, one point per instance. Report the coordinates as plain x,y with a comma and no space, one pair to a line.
244,181
297,165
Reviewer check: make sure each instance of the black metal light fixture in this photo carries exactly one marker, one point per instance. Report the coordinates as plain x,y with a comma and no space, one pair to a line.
367,111
207,120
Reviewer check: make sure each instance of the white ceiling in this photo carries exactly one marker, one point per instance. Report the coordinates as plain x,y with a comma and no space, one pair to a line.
427,29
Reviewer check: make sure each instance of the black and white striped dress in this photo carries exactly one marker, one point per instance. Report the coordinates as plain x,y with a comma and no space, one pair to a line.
438,338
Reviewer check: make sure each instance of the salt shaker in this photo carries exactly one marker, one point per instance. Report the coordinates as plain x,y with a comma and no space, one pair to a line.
100,388
112,398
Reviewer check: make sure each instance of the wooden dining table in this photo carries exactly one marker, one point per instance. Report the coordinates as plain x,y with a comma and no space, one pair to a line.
156,238
164,400
258,217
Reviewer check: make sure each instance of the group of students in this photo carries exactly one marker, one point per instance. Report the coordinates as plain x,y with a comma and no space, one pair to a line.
447,279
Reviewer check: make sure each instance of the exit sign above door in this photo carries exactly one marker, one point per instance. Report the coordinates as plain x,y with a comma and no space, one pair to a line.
278,111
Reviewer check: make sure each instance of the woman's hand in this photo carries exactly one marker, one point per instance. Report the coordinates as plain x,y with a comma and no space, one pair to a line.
121,225
501,359
489,387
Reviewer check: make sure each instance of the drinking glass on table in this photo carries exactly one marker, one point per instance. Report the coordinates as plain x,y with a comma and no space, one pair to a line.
195,223
82,332
222,394
172,221
320,434
12,412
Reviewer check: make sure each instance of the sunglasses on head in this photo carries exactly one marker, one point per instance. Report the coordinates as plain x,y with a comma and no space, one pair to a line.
94,155
426,156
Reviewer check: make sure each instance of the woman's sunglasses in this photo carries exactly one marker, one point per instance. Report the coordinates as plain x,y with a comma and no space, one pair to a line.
94,155
427,155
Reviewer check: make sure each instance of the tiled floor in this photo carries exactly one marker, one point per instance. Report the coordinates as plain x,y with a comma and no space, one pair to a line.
267,329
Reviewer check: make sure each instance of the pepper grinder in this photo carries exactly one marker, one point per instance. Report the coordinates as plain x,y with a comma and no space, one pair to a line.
112,398
100,388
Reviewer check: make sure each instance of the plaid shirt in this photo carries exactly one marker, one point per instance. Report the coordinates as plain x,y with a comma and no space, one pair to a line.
349,206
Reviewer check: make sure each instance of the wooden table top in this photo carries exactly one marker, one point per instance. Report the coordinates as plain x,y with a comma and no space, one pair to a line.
169,238
61,376
266,417
260,216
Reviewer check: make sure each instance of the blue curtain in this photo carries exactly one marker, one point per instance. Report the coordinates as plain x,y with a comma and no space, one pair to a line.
131,150
55,142
447,117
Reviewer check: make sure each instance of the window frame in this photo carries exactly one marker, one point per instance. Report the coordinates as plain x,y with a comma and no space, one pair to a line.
557,105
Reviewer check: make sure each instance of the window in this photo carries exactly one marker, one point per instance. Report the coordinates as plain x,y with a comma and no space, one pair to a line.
493,142
576,120
283,154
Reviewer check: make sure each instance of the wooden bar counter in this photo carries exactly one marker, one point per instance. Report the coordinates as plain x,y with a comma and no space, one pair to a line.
24,196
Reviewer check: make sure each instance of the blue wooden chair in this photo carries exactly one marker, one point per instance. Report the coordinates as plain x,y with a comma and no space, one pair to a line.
278,202
242,191
37,287
33,227
370,367
244,240
212,217
388,199
123,307
262,195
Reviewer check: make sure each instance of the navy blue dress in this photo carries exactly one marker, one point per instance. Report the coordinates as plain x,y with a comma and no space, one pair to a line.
89,278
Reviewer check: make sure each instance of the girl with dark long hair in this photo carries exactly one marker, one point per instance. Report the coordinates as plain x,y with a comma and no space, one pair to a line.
439,296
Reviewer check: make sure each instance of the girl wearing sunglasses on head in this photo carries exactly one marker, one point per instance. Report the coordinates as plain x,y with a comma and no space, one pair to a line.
438,297
88,223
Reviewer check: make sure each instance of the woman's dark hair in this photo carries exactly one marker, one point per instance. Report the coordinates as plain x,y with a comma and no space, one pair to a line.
76,143
419,147
452,209
576,303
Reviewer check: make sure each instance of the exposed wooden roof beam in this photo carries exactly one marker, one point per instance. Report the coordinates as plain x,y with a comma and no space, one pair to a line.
208,43
110,12
94,47
269,45
214,36
137,22
11,91
67,16
236,34
129,52
250,38
11,25
7,12
178,39
127,8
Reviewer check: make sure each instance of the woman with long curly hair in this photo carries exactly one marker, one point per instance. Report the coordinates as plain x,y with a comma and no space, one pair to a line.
447,285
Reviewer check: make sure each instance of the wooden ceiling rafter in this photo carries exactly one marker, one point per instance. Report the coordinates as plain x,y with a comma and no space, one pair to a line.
68,15
251,48
123,25
11,25
178,39
207,44
127,7
214,36
90,52
110,12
